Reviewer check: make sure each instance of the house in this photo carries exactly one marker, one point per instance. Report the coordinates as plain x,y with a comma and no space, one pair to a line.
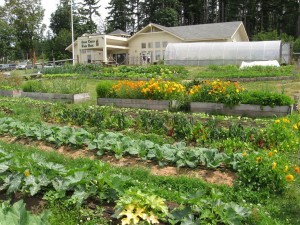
149,44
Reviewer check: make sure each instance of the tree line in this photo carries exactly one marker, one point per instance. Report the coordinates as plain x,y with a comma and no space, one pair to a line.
23,36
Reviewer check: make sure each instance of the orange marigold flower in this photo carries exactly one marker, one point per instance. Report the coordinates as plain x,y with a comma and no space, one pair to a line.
289,177
270,154
297,169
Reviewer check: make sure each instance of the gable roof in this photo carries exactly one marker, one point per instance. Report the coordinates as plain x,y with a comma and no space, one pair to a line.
118,32
202,31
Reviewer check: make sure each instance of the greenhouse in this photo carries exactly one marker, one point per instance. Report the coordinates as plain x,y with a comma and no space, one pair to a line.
221,53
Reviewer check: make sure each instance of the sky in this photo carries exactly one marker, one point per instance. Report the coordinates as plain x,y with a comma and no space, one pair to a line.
51,5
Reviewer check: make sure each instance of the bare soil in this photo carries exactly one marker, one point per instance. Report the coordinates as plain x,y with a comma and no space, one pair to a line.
220,176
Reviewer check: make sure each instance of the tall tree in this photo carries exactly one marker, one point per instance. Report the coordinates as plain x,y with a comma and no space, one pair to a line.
7,40
26,17
88,9
119,15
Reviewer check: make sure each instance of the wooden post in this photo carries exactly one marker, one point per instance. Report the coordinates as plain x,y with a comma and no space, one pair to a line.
296,102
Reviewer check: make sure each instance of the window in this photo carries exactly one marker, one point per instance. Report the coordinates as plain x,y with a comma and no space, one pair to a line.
143,45
164,44
83,51
157,55
157,44
150,45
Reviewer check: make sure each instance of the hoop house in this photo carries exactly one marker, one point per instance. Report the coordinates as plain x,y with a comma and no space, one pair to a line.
221,53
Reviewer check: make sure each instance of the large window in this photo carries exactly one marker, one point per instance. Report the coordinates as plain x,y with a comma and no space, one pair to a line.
150,45
143,45
157,44
164,44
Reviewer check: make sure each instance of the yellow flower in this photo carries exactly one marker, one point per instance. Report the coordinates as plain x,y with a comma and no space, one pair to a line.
295,127
274,164
289,177
297,169
277,121
244,154
275,151
286,168
27,173
258,159
270,154
285,120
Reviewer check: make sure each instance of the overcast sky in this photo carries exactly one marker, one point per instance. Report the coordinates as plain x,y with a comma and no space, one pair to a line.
51,5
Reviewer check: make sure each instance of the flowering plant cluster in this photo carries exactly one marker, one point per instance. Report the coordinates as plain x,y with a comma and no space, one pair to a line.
266,170
153,89
217,91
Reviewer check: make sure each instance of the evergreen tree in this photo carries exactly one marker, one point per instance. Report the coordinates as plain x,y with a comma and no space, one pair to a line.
88,9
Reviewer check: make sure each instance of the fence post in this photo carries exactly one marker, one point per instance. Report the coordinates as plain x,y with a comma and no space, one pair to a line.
296,102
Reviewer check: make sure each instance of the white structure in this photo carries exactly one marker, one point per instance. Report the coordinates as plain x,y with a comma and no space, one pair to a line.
221,53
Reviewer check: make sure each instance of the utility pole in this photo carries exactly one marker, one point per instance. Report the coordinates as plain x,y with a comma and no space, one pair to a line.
72,29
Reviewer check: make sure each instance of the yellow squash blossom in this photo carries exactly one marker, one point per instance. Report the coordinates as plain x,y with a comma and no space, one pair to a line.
27,173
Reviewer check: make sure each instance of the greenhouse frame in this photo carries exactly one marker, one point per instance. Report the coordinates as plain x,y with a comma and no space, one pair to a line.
223,53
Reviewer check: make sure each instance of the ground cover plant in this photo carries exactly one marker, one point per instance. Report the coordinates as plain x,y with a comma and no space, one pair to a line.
10,82
232,71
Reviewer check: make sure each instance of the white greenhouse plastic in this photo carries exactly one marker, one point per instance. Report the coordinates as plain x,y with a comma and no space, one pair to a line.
221,53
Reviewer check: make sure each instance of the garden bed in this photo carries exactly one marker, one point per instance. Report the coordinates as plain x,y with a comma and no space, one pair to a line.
241,110
10,93
66,98
135,103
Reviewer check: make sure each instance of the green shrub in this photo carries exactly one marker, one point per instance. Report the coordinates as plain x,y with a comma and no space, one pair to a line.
77,69
265,98
104,89
10,82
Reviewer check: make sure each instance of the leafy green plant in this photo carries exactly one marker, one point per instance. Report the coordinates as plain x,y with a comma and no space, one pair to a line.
104,89
17,214
202,209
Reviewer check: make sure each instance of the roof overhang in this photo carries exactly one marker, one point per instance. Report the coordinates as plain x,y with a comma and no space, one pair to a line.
153,25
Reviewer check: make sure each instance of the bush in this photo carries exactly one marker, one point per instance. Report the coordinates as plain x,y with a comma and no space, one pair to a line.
104,89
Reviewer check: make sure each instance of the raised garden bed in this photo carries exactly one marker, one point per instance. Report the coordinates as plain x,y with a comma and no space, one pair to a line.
10,93
241,110
66,98
135,103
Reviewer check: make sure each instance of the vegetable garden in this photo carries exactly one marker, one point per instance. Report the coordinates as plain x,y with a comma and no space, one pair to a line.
89,164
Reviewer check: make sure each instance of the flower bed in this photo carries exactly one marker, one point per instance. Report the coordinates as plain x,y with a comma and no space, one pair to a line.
66,98
228,98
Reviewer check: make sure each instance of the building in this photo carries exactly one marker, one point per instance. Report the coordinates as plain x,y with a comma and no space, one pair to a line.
148,45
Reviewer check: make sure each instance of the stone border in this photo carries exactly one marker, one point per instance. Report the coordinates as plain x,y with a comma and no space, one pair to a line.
10,93
66,98
241,110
